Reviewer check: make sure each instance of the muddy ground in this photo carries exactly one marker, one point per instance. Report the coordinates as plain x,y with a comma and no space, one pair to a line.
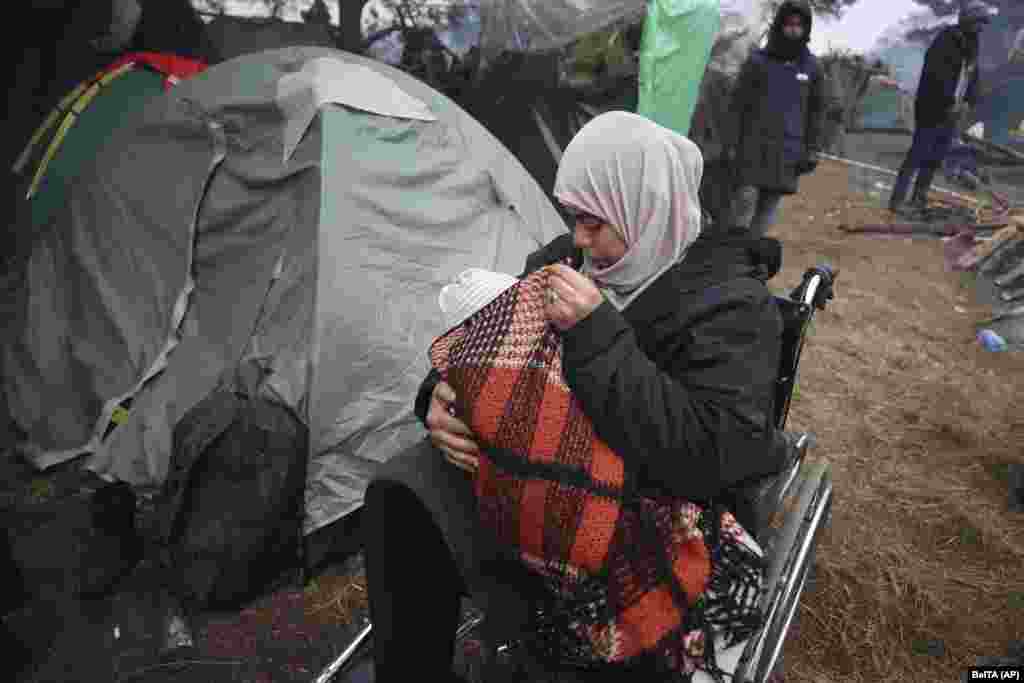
919,573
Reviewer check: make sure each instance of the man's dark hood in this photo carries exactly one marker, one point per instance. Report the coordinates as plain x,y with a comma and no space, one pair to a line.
778,44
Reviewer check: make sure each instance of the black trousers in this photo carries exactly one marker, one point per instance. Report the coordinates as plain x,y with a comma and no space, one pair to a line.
415,587
415,590
927,151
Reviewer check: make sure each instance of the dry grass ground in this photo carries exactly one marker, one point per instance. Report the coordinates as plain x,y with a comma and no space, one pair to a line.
919,424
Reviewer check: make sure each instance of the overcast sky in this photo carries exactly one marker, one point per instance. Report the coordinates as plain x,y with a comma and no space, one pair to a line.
861,25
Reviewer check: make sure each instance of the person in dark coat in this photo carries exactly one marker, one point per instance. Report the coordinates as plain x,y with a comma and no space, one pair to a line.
779,105
676,369
948,85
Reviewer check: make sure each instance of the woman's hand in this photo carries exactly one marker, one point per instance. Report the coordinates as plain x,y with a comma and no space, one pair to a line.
572,296
450,434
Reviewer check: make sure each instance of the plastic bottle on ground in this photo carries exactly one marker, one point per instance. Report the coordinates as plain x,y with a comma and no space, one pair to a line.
992,341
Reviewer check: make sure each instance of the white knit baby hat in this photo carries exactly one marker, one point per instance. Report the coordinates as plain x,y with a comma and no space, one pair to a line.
472,290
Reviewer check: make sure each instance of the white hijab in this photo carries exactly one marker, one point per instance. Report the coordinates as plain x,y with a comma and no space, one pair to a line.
644,180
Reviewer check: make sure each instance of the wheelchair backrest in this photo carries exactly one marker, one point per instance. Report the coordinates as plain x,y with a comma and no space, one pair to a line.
797,310
796,317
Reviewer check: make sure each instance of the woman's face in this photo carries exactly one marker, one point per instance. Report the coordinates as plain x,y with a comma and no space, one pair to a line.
598,238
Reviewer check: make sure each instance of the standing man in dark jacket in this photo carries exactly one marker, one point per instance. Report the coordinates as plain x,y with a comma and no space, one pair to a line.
779,103
949,84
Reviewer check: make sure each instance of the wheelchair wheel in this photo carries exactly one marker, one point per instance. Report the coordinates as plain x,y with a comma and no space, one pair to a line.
805,580
778,672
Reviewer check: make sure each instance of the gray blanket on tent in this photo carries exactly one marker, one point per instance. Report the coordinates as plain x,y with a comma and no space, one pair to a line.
307,221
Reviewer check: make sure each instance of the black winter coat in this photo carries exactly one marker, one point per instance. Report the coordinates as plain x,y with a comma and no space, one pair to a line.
780,114
936,91
680,384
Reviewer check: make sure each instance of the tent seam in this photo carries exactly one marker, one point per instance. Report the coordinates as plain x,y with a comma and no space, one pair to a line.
95,443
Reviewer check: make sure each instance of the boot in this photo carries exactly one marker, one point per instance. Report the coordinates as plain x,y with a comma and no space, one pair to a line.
922,187
899,190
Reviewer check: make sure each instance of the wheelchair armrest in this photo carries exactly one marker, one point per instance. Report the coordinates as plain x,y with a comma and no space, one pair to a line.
756,502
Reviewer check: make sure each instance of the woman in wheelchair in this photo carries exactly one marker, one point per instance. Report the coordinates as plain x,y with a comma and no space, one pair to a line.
669,342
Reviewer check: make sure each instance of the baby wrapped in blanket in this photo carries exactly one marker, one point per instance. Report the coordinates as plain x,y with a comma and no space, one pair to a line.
634,576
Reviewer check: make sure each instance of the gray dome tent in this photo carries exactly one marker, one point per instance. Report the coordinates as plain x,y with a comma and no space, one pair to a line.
301,208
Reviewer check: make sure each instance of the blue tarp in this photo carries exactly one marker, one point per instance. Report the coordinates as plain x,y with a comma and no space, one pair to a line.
1002,111
883,108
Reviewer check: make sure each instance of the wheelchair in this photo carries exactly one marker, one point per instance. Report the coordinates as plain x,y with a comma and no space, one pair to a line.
786,513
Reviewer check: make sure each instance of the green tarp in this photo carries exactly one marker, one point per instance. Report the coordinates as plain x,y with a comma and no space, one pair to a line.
678,35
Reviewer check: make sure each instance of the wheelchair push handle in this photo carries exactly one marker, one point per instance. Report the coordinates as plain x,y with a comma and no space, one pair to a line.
816,288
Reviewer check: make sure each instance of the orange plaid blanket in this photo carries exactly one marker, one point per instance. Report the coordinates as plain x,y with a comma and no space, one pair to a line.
632,578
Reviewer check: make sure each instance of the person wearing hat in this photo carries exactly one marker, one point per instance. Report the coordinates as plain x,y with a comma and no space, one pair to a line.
948,87
669,338
779,109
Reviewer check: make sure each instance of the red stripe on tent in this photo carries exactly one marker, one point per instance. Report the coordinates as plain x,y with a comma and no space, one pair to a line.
173,67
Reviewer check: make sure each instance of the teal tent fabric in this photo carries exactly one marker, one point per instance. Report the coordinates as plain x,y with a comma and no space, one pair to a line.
116,101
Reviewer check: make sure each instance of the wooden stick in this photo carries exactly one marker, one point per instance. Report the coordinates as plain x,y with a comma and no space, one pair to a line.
907,228
984,250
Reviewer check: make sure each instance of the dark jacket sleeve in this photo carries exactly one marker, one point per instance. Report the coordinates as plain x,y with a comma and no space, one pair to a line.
816,109
555,251
742,97
939,75
692,427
